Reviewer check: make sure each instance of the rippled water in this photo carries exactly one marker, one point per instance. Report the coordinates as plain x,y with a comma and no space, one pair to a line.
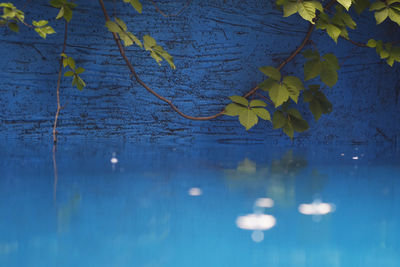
125,205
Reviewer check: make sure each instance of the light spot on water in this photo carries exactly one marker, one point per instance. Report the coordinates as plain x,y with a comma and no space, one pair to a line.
264,203
259,222
195,191
257,236
316,208
355,157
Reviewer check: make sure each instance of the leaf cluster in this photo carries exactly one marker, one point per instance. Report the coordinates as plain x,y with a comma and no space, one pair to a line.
248,112
119,27
337,25
65,7
386,51
383,10
11,16
42,28
157,52
290,120
306,8
74,72
326,67
280,90
317,101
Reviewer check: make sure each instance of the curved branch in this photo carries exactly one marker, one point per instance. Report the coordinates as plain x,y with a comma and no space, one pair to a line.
169,102
170,15
58,84
355,43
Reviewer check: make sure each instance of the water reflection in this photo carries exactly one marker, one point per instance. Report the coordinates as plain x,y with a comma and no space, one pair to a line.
316,209
256,222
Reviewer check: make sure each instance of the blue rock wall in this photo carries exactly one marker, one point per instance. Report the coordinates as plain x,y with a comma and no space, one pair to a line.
217,46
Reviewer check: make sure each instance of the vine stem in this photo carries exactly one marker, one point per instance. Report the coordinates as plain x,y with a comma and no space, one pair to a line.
58,84
169,102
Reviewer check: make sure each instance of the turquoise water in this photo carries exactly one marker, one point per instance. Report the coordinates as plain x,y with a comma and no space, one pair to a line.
219,205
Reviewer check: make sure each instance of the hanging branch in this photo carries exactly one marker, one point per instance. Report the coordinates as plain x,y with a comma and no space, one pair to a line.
169,102
58,84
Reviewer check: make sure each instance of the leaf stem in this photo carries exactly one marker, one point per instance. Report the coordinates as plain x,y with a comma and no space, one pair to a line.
58,84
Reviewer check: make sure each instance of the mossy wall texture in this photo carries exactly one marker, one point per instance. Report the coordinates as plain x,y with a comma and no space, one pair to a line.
218,46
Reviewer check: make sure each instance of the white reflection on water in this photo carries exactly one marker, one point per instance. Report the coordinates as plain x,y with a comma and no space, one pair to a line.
264,202
317,209
114,159
257,223
195,191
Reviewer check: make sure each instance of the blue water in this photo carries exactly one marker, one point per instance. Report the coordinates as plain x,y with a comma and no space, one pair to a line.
179,206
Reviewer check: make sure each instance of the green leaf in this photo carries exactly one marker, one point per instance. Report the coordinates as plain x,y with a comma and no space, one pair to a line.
371,43
239,100
135,4
307,9
329,75
67,13
324,102
345,3
257,103
289,8
333,31
60,13
307,96
69,73
271,72
381,15
299,125
262,113
71,62
79,70
248,118
294,113
65,62
113,27
361,5
378,5
279,94
135,39
311,54
278,119
156,57
126,39
39,23
288,129
233,109
315,109
312,69
267,84
56,3
13,26
394,15
149,42
332,60
122,24
293,82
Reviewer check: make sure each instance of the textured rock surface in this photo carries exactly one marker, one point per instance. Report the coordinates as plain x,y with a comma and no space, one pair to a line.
218,47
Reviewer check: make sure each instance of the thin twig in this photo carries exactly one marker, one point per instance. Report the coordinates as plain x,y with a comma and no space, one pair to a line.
58,84
170,15
355,43
252,91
